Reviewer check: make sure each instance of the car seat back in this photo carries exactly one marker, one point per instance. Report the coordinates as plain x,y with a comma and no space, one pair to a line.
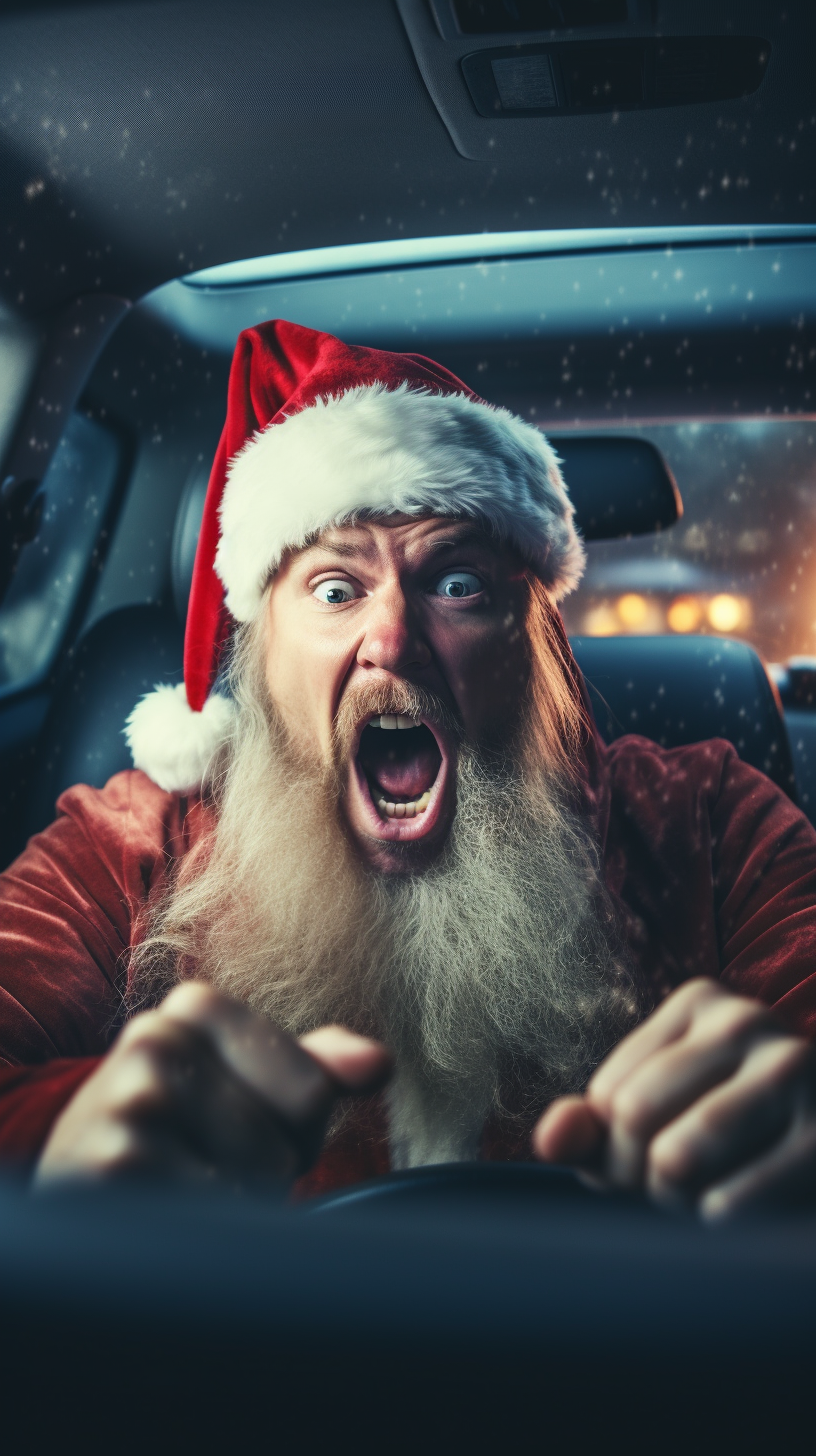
678,690
122,657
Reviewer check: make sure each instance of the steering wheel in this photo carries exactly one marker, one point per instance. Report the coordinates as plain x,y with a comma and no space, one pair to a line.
460,1184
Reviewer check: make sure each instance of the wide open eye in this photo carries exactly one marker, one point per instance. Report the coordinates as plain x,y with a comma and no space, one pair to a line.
334,592
457,584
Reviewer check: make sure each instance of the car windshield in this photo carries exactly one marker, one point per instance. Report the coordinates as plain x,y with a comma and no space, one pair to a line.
740,561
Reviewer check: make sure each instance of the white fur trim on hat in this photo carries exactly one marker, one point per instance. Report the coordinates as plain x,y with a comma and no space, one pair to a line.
406,451
171,743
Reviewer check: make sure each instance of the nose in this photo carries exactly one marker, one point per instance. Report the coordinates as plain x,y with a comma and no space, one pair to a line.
393,639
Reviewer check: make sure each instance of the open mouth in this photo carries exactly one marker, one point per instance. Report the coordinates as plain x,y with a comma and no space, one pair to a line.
401,760
402,776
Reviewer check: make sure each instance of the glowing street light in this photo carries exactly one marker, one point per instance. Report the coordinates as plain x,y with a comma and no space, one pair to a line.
684,614
725,613
633,609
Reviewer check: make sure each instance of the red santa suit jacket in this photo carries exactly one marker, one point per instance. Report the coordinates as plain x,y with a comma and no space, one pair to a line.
712,868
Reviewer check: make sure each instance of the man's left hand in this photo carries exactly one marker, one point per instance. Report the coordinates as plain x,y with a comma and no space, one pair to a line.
709,1104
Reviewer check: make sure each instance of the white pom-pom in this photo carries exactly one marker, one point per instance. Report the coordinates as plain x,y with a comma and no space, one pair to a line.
173,745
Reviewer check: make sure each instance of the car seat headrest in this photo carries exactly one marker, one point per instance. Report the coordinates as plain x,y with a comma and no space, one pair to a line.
185,536
619,485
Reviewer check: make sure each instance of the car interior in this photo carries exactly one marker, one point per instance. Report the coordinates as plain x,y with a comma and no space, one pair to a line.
600,214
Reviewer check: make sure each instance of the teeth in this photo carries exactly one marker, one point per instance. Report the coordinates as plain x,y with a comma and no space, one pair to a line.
393,720
404,811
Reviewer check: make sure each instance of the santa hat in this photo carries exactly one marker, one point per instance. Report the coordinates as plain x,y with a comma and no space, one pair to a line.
317,433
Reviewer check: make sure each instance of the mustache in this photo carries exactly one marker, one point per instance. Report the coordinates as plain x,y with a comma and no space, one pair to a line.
365,700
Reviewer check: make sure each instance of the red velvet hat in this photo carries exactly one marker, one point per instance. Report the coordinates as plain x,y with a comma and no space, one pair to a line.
317,432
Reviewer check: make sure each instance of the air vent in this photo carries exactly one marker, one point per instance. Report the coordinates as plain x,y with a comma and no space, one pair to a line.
507,17
613,75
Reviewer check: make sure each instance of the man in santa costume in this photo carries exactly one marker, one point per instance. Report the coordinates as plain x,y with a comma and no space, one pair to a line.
376,894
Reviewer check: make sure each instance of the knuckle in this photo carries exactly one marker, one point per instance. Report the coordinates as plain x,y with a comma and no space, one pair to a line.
139,1086
126,1155
159,1037
711,1122
112,1150
152,1067
702,987
784,1064
733,1019
629,1110
794,1054
135,1030
700,991
193,999
668,1162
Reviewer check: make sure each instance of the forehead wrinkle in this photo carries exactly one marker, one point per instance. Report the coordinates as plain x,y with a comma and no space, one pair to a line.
470,536
457,535
363,545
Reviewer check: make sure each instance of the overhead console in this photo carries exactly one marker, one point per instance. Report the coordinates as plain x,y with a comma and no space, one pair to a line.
613,75
530,63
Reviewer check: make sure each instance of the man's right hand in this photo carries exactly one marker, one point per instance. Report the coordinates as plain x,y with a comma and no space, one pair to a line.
204,1091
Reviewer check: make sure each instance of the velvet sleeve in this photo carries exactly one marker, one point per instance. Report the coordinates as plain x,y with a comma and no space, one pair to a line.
714,871
67,910
764,866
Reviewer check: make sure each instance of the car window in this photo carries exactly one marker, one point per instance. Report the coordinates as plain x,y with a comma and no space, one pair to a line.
740,562
51,569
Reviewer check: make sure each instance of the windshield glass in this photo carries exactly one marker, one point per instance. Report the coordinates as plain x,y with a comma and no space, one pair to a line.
739,563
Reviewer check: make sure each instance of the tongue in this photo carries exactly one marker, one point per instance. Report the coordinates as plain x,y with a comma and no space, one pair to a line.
401,763
408,780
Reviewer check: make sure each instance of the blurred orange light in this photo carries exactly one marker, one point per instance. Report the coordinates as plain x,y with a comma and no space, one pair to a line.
633,609
684,614
726,613
600,622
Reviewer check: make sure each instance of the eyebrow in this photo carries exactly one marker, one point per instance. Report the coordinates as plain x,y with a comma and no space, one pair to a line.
339,548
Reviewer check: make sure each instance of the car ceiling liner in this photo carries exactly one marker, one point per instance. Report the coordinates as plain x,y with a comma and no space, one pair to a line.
528,63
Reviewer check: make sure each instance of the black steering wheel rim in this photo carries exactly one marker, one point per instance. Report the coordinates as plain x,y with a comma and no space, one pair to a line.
454,1183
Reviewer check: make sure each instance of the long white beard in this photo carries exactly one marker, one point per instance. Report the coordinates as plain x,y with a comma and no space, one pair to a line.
501,965
495,968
